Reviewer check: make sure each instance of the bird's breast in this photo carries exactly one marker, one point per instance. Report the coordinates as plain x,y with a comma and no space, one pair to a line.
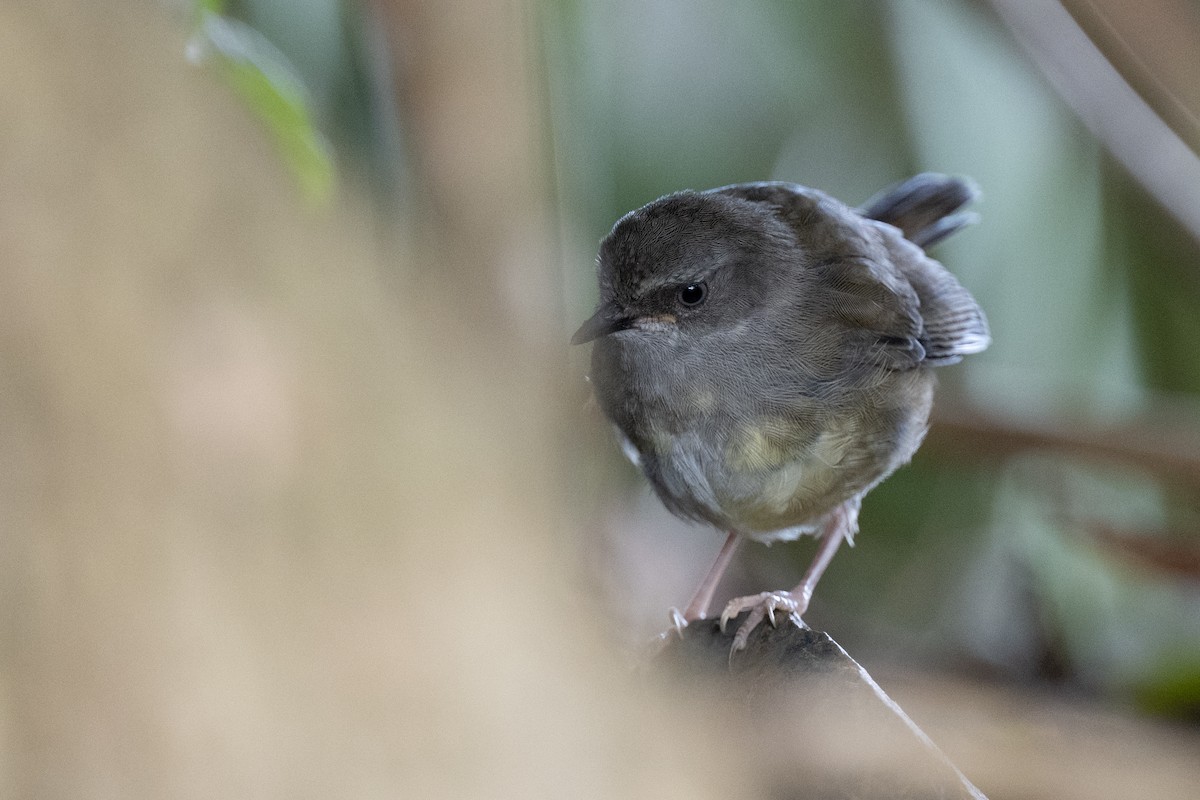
772,475
744,455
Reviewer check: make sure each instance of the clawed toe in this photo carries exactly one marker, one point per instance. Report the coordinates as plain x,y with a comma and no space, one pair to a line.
761,606
678,622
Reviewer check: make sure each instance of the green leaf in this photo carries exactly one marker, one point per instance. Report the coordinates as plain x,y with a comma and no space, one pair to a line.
264,79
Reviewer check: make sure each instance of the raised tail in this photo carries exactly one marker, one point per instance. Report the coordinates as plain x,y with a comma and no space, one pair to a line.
925,207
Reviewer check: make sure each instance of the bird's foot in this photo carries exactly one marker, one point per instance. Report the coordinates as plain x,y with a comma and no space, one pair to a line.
678,623
762,606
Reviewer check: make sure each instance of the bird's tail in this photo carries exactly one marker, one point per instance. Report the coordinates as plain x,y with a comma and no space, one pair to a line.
925,207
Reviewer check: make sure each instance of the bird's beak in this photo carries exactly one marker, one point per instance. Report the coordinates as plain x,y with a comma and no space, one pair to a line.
602,323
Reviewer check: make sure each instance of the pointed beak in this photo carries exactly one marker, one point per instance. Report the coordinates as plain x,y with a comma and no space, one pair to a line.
602,323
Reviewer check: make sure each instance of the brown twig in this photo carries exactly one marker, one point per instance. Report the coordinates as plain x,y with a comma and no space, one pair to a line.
1165,440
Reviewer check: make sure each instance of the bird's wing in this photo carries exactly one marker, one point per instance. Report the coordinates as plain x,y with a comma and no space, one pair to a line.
926,208
954,324
861,290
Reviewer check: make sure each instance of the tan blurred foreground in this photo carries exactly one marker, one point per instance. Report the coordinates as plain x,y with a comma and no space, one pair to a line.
272,527
276,521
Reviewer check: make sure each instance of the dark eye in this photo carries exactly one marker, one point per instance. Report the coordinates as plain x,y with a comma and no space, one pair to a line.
693,294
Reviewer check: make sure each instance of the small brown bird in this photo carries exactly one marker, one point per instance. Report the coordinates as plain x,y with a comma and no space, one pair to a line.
765,354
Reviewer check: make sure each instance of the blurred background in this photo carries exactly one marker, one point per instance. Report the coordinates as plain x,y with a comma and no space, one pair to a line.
301,491
1048,530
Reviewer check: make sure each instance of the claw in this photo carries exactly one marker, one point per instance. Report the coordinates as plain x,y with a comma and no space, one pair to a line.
729,613
743,633
678,621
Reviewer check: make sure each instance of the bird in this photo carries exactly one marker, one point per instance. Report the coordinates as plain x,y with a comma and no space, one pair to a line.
766,356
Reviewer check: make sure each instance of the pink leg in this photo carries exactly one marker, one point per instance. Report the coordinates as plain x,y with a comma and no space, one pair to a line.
840,525
698,607
836,530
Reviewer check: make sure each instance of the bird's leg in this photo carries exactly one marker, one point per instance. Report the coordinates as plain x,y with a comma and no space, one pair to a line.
840,525
698,607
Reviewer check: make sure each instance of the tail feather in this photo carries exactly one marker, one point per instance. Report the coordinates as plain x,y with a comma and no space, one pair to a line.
925,207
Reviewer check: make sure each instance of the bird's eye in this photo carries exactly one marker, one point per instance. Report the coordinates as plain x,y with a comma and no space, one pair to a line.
693,294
